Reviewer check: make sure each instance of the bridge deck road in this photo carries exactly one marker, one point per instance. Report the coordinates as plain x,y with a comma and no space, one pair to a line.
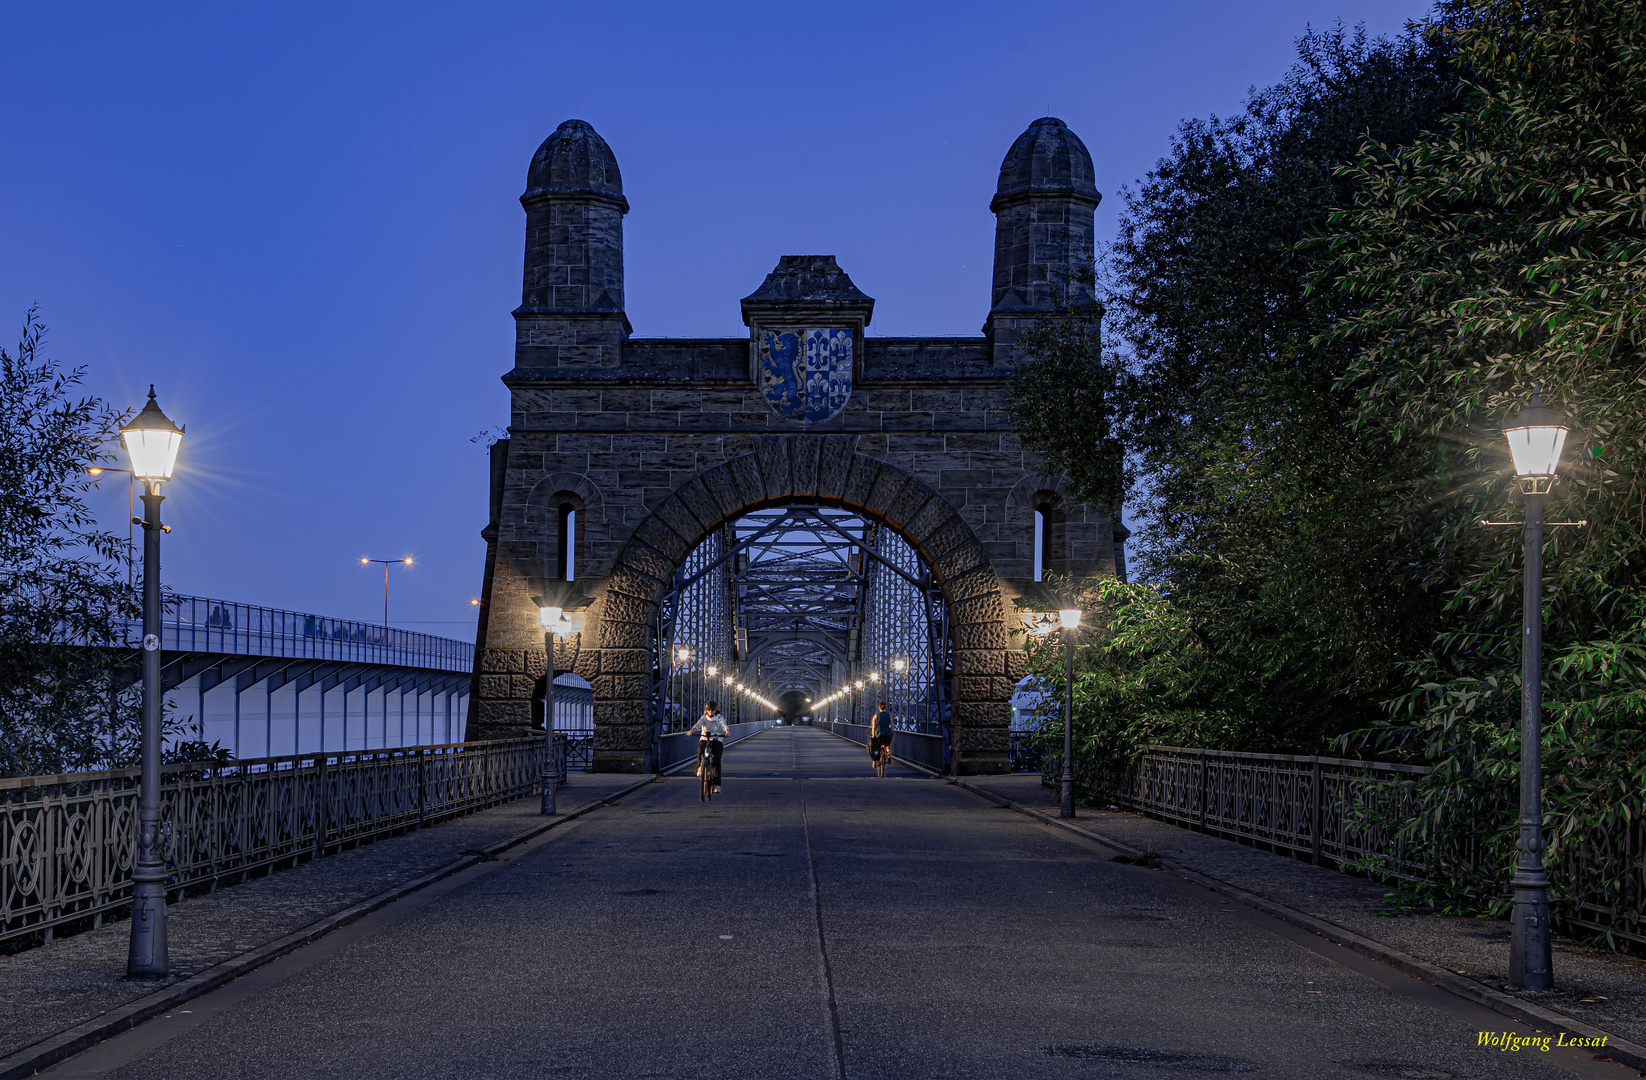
833,926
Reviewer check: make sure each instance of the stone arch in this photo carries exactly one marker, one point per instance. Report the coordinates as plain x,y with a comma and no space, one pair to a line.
784,469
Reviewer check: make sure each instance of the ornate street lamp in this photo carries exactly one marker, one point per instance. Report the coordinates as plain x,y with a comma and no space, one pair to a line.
557,626
1041,623
1536,438
152,441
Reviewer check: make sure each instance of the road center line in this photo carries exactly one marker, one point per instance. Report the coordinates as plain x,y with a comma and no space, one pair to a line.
822,945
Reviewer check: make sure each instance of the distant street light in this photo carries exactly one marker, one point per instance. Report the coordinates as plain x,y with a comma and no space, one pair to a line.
152,442
1536,438
406,561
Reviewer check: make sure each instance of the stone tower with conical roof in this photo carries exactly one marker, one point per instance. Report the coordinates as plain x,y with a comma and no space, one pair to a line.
571,308
626,453
1044,208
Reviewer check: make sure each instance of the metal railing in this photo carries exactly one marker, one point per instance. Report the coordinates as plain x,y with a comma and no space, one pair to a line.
928,751
1348,812
199,624
677,747
67,843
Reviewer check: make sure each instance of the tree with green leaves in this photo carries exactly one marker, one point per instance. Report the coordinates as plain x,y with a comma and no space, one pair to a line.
63,584
1259,494
1503,254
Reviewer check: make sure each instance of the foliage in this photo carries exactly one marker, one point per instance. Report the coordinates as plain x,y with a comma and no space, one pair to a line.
62,580
1260,495
1503,253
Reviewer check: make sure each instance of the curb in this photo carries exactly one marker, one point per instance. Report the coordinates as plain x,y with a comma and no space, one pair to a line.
1510,1005
65,1044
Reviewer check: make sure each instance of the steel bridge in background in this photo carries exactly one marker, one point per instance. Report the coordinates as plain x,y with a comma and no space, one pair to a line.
264,682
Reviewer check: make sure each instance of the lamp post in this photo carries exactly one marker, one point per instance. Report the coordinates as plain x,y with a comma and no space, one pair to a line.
556,625
406,561
1536,438
151,442
1040,624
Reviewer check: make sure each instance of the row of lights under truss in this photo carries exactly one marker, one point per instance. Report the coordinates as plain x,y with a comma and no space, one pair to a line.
684,653
874,677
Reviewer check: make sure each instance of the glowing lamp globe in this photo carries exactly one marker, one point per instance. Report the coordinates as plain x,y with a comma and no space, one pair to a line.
1536,438
152,441
1069,617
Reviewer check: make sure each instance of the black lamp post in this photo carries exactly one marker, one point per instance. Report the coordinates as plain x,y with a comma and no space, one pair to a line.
1041,623
151,442
1536,438
557,626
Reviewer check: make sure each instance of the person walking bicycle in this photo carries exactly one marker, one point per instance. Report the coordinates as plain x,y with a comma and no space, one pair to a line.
880,739
711,745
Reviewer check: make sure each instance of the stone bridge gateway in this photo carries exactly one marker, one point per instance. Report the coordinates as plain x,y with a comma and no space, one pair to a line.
624,453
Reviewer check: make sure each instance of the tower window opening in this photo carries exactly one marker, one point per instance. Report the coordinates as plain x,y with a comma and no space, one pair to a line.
1042,540
568,542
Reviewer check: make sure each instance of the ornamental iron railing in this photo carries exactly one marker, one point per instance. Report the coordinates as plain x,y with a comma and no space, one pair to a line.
1346,812
68,843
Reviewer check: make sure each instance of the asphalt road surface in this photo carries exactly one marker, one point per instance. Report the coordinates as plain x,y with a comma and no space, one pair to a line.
816,922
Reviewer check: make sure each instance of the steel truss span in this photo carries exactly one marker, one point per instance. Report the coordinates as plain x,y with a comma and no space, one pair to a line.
799,604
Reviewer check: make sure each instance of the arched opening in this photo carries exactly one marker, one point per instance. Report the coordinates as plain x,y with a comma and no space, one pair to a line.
785,610
1048,535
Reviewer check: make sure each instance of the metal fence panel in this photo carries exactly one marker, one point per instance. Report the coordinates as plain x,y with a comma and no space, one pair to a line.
67,843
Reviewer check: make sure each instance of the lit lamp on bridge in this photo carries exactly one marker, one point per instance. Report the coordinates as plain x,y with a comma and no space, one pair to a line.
152,442
1041,623
1536,438
557,626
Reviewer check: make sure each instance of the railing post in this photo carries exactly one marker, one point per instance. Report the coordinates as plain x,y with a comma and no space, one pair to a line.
422,785
1315,809
322,805
1205,789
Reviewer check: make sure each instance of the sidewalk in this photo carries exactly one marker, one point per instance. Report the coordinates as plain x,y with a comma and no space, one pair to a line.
1593,986
72,980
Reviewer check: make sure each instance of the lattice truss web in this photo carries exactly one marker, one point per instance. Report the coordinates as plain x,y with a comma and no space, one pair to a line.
796,603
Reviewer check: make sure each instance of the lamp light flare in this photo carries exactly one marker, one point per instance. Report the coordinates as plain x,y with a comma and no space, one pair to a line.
152,441
407,560
1536,438
1069,617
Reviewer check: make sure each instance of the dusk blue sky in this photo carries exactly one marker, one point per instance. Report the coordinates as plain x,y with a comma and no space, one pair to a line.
301,221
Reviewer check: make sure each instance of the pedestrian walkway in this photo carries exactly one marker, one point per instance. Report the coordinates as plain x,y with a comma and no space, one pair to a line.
1596,986
814,921
76,979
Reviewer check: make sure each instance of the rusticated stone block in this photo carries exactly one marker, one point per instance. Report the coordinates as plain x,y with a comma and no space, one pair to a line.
803,458
746,474
619,737
979,609
645,560
588,664
623,608
536,663
835,464
522,686
503,661
979,662
702,504
601,687
983,714
772,454
883,492
619,712
865,471
934,515
959,560
973,688
978,582
951,534
627,581
630,687
975,739
505,712
624,661
1017,665
680,519
623,635
981,636
1003,688
654,532
493,686
721,484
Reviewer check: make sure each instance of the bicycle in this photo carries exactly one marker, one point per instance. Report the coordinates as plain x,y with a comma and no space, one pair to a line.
880,753
705,769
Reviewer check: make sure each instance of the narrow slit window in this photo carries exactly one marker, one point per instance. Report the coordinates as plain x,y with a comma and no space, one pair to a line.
1040,540
568,542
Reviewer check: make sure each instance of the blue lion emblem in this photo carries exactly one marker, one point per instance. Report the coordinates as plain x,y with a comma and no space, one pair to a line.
806,375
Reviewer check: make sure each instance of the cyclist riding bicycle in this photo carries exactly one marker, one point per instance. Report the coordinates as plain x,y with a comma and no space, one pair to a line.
712,730
880,738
